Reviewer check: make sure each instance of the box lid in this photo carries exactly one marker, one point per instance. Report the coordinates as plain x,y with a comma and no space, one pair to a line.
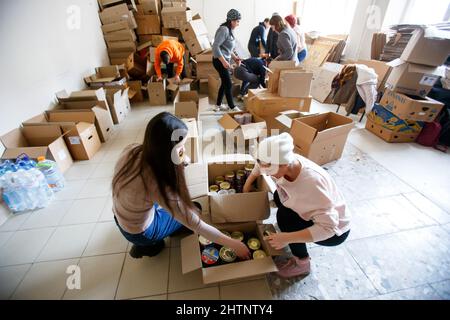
190,254
71,116
228,123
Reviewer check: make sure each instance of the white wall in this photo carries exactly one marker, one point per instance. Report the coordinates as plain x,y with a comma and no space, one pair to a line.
40,55
253,11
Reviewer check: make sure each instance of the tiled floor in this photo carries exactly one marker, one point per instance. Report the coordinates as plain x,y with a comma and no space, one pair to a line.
399,246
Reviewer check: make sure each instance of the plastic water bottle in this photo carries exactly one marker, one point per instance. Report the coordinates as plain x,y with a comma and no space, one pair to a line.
54,177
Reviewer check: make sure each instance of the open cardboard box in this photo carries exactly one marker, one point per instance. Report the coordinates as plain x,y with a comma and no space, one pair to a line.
286,117
89,100
412,78
187,104
411,107
119,103
79,130
274,72
264,103
321,138
45,141
192,143
107,74
227,213
254,130
157,92
183,85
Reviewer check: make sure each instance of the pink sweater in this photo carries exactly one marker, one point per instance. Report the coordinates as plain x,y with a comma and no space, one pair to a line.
315,197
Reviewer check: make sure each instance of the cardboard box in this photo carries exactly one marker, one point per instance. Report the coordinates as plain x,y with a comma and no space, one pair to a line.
203,86
148,24
193,29
322,79
390,135
116,14
45,141
122,35
168,32
204,66
158,39
135,66
411,107
157,92
295,84
115,27
274,73
287,117
192,143
90,100
413,79
80,134
431,50
148,7
104,75
321,138
226,213
136,86
269,104
254,130
119,104
198,44
175,17
184,85
186,104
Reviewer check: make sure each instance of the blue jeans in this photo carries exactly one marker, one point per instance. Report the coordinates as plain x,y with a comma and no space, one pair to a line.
302,55
162,226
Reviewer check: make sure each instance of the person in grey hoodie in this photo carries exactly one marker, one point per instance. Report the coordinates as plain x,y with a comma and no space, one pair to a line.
223,52
287,40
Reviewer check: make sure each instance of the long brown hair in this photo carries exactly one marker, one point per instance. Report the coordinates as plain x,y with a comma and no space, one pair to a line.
278,23
156,153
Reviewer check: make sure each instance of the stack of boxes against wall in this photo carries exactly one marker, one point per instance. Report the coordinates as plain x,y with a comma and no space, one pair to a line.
405,108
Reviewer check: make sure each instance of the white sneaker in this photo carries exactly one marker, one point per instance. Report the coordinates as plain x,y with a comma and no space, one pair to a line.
224,108
235,109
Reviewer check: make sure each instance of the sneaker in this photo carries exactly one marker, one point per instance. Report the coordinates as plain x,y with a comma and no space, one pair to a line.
294,267
137,252
221,108
235,109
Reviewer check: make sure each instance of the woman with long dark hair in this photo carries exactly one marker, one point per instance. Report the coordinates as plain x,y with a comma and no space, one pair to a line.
150,198
223,52
287,40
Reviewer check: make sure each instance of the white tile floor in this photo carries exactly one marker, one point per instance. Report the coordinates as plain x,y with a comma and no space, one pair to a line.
399,247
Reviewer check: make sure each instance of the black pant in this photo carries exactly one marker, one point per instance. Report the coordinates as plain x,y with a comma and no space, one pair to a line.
226,85
290,221
171,72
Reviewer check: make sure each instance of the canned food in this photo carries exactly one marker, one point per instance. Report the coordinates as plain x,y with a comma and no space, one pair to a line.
248,169
226,233
259,254
248,118
231,191
222,192
227,254
219,180
229,177
237,235
214,188
210,255
225,186
253,243
203,241
240,176
267,233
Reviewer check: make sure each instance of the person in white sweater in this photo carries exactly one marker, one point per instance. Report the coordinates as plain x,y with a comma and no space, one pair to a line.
310,206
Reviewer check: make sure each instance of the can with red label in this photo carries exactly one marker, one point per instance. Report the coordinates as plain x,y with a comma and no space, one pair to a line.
210,255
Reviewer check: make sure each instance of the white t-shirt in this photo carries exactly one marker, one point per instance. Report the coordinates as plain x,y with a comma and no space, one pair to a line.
301,41
315,197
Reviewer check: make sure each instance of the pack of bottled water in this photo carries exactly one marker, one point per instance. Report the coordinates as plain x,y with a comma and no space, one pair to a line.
25,184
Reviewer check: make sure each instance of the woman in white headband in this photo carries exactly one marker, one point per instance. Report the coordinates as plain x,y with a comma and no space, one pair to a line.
310,206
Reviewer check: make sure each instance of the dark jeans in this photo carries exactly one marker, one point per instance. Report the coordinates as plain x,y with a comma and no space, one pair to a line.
171,72
290,221
226,85
162,226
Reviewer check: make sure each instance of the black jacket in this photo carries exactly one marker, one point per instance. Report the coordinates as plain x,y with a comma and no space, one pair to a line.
272,40
257,37
256,66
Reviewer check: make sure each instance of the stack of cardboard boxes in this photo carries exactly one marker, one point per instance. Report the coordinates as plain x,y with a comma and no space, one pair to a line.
405,107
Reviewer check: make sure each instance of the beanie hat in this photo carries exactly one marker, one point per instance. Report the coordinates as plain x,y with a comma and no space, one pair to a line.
276,149
291,20
233,14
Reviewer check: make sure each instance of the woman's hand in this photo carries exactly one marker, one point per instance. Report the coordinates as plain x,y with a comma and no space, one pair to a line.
159,79
278,240
226,65
247,187
241,249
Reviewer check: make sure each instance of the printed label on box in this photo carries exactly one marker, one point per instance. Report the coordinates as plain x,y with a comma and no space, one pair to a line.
75,140
62,155
428,80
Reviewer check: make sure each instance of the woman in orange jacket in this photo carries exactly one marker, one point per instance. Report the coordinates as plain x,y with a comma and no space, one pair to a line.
170,52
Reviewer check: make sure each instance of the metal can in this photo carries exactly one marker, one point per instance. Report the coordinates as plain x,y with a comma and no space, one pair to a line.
210,255
219,180
229,177
203,241
267,233
248,169
231,191
214,188
259,254
222,192
237,235
254,243
240,176
227,254
225,186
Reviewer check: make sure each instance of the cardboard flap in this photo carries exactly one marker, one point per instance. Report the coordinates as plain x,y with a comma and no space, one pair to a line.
253,130
190,254
302,133
335,125
41,135
32,152
14,139
228,208
281,65
395,63
39,119
418,68
242,269
196,175
260,228
71,116
228,123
